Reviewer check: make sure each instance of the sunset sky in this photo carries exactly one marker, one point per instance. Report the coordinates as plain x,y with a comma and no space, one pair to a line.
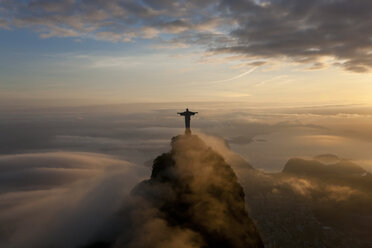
89,96
275,78
82,52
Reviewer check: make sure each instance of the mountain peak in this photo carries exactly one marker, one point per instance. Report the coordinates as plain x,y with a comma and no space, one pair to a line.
193,189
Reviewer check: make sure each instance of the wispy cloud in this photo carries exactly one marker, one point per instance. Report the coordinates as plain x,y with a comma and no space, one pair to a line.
305,32
235,77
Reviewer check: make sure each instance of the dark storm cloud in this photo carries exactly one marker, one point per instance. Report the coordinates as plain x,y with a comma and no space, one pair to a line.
302,31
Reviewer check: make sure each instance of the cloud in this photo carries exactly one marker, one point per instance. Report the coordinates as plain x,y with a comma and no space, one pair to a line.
321,139
60,199
238,163
111,20
299,186
317,33
236,77
4,24
318,190
304,31
139,132
59,32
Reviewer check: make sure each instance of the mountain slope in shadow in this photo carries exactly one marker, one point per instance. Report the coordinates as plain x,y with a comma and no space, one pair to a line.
193,199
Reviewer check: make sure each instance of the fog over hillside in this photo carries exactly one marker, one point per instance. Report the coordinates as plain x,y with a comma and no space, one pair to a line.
193,199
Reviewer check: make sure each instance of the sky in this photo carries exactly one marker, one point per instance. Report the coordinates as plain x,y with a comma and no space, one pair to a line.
274,79
73,52
89,91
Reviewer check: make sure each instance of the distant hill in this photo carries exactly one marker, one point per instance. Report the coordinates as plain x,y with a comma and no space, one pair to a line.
317,168
321,202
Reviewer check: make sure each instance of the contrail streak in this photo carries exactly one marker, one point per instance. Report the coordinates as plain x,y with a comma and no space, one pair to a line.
236,77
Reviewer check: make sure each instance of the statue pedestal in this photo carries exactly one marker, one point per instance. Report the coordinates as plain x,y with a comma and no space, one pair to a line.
187,131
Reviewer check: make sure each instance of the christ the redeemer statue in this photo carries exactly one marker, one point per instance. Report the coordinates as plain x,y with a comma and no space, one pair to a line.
187,115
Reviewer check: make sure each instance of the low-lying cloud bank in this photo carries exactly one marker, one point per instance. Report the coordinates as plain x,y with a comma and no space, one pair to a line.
60,199
70,199
193,199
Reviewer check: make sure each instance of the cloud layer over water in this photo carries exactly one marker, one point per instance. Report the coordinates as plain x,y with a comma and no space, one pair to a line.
267,137
45,189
